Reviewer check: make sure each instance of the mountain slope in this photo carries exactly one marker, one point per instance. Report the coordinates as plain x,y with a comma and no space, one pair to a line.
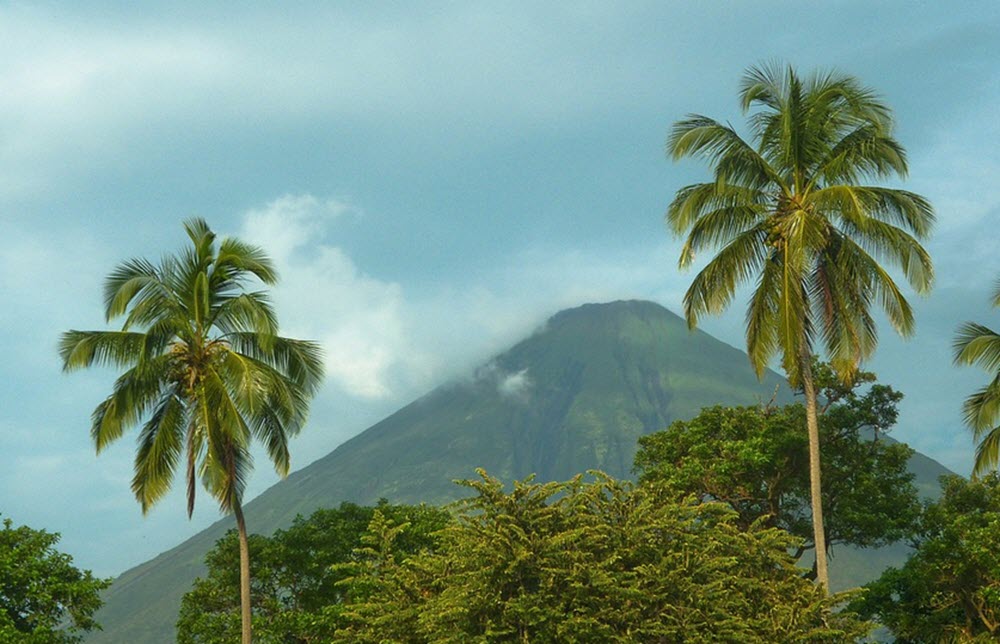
574,396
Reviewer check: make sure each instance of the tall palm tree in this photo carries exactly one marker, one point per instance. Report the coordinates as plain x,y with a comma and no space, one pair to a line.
205,373
977,344
793,214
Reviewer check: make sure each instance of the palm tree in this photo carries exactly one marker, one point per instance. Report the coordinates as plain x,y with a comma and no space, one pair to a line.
977,344
793,215
205,373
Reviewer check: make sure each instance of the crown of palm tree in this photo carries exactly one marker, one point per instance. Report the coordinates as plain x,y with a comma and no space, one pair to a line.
205,370
795,213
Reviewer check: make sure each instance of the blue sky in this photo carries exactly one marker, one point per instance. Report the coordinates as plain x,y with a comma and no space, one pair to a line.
433,181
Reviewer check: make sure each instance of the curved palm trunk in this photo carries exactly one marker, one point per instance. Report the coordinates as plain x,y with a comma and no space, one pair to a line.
815,487
241,527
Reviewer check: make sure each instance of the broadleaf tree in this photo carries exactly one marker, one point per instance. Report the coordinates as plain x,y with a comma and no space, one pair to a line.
949,588
44,598
587,560
755,460
296,574
795,213
205,373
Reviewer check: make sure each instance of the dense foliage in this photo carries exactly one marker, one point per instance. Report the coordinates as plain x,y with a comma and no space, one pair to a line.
43,597
295,588
755,459
949,589
583,561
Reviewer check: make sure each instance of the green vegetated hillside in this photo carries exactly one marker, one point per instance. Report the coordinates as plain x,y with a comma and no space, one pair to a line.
574,396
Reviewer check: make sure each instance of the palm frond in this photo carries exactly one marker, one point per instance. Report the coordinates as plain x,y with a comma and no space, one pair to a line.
691,202
226,422
227,463
862,153
735,160
269,429
876,284
977,344
887,242
987,452
195,453
202,239
764,84
159,447
151,308
795,329
841,292
901,208
843,102
247,312
225,472
718,227
763,341
130,279
856,204
253,385
788,148
300,360
981,410
713,287
258,388
81,349
237,257
132,397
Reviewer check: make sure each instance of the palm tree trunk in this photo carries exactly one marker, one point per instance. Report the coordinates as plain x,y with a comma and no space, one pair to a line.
815,487
241,527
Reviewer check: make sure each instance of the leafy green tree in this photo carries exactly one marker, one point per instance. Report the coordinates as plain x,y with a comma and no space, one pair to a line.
586,561
793,214
205,373
977,344
296,587
755,459
949,589
44,598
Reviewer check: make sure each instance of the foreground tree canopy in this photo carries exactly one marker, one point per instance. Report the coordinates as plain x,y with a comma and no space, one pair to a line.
43,597
949,589
297,589
586,561
755,459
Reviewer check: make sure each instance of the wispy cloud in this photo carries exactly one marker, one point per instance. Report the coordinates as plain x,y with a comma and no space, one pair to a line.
323,295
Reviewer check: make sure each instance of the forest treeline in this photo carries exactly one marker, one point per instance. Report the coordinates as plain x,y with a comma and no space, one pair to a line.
713,542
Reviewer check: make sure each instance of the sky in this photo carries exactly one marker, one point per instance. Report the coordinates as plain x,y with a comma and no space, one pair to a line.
433,180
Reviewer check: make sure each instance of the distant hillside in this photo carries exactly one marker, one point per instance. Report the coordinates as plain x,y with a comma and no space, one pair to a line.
574,396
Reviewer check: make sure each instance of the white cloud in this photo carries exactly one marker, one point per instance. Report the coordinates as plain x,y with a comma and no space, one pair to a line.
515,385
384,343
359,320
291,222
